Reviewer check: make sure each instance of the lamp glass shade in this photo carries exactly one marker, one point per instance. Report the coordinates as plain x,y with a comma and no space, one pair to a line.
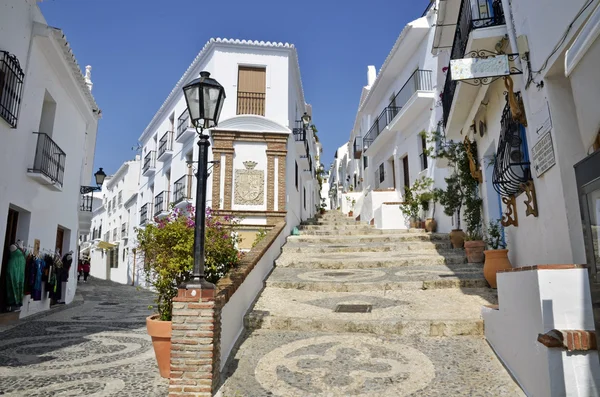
305,119
100,176
204,97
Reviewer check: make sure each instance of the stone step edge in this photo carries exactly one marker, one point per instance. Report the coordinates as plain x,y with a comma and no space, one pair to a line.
434,328
327,286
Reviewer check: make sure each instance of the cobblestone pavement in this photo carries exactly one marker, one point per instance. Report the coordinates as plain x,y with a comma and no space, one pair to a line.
96,346
351,311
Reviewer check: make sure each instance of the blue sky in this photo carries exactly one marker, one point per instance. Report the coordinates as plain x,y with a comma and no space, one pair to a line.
140,48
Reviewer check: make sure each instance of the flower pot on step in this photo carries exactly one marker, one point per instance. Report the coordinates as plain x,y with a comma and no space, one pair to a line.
474,250
495,260
431,225
351,214
457,237
160,332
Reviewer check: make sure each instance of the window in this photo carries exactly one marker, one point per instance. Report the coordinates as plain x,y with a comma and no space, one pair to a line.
423,154
11,87
304,191
296,175
120,200
405,171
115,234
365,162
113,258
252,85
381,173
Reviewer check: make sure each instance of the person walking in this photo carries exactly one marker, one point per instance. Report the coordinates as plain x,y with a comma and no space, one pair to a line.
79,269
86,270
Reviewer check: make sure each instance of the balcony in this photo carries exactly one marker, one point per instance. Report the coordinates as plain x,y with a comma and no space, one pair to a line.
251,103
478,29
302,147
145,213
412,99
165,146
48,163
149,166
86,204
182,193
184,131
161,204
358,147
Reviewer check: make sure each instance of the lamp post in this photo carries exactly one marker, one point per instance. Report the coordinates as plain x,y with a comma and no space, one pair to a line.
204,97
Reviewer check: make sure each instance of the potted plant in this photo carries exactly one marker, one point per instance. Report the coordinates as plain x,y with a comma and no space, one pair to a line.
431,223
410,207
351,202
167,251
496,257
461,192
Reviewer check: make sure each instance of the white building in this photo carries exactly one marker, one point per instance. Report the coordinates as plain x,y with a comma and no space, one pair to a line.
538,152
387,149
48,126
265,169
113,238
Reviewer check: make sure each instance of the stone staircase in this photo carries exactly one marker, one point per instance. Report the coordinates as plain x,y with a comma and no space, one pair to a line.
341,289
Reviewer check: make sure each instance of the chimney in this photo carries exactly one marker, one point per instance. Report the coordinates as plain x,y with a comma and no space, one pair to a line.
371,75
88,77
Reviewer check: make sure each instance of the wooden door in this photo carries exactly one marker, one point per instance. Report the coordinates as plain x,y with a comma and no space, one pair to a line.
252,84
405,170
394,172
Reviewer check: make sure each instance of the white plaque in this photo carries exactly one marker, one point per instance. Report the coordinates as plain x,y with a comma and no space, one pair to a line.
543,154
476,68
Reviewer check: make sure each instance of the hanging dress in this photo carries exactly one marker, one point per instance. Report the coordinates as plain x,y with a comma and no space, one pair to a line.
15,278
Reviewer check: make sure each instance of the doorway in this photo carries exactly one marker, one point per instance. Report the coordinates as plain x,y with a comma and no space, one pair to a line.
587,174
60,238
9,238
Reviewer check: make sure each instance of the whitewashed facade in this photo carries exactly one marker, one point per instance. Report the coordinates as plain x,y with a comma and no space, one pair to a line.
47,143
553,52
258,135
112,239
387,149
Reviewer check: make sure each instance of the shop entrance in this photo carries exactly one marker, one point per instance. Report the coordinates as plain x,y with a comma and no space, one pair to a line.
9,238
587,173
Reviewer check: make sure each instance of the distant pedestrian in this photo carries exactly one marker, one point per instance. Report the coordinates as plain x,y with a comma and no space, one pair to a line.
79,269
86,270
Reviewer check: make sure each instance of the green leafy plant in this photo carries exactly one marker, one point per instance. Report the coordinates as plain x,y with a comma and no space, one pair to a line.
167,251
262,233
417,197
351,202
493,237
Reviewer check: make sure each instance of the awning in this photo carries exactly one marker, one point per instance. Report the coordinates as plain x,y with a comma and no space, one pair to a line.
445,25
105,245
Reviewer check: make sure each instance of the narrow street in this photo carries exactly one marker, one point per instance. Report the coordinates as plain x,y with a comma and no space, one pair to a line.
96,346
355,311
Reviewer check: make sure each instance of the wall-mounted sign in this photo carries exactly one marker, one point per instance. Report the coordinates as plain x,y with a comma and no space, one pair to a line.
477,68
543,154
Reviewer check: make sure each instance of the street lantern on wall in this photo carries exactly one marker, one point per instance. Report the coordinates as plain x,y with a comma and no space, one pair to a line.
305,120
100,175
204,97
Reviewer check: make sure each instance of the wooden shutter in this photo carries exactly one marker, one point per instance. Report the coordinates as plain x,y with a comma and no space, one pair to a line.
405,169
252,83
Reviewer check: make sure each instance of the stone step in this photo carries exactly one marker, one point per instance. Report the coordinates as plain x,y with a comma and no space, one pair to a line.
367,260
340,221
355,226
384,279
365,230
408,246
437,312
401,236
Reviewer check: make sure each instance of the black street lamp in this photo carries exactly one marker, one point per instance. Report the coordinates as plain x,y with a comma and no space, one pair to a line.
204,97
99,176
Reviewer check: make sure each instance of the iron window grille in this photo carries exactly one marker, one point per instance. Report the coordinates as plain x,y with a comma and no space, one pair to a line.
161,202
420,80
124,230
183,123
115,234
423,155
11,87
149,161
358,147
511,166
49,159
299,132
144,214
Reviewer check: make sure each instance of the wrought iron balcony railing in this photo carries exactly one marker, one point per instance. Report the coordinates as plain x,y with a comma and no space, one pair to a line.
144,214
161,202
49,159
165,143
182,189
420,80
11,87
358,147
86,203
183,123
251,103
485,16
149,161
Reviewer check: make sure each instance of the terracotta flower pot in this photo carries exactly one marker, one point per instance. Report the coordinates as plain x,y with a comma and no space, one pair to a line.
160,332
457,237
474,250
431,225
351,214
495,260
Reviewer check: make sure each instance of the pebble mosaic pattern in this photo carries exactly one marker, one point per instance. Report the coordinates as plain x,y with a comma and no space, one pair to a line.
96,346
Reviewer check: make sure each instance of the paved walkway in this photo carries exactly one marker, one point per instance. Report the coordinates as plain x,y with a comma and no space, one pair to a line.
96,346
420,334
